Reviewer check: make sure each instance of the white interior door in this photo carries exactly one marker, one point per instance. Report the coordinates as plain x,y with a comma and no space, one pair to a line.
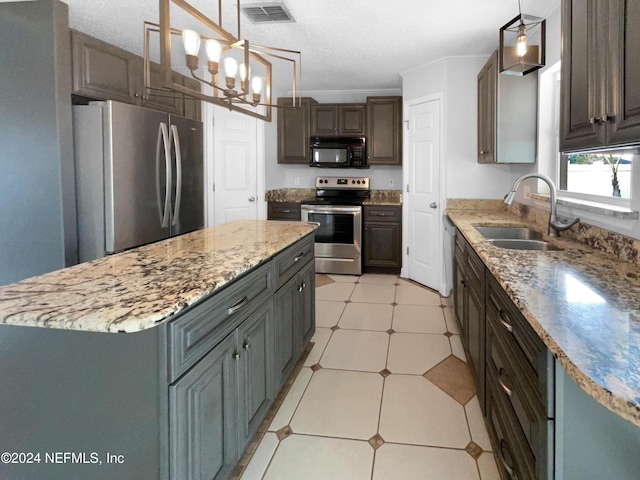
423,210
235,166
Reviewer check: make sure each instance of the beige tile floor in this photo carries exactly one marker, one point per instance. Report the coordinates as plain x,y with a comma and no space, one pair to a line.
384,394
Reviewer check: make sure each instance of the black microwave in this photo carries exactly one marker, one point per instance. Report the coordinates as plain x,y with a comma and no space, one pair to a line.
338,152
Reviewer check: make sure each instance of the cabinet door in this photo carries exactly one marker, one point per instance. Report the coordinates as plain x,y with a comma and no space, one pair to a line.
324,120
192,105
306,306
294,131
487,86
102,71
203,417
382,244
285,308
583,57
458,292
623,114
475,338
163,100
352,119
384,127
255,376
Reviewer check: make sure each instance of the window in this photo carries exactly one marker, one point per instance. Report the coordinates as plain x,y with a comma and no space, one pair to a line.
606,174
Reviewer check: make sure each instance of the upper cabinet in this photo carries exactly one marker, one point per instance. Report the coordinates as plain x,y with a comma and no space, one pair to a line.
507,115
338,119
104,72
294,131
600,104
384,130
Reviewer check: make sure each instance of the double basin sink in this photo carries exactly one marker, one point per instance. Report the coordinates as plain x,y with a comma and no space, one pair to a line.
515,238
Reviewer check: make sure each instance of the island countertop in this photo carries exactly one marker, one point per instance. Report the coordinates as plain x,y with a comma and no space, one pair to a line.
140,288
583,304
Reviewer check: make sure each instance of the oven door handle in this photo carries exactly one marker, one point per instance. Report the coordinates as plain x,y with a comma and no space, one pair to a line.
331,209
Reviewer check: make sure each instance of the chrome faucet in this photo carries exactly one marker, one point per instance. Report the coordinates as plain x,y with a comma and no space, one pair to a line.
555,226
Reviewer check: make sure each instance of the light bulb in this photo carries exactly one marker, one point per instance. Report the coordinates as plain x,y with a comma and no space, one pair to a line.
256,85
191,41
521,43
243,72
213,50
230,67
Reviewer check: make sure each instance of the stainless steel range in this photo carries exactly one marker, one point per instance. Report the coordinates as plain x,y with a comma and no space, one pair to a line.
337,207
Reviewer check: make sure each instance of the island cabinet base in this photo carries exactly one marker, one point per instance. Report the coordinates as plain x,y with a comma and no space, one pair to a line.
176,402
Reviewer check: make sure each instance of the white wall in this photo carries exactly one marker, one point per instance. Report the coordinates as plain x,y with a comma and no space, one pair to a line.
456,79
303,176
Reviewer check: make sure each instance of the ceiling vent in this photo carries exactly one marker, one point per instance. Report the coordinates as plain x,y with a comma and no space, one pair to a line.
267,12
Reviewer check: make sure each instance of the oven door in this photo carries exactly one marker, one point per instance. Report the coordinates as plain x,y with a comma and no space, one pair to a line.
338,239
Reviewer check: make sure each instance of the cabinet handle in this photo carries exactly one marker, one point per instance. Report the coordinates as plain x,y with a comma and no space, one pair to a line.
506,389
298,258
606,118
381,214
286,211
505,321
237,306
481,152
597,120
503,461
302,287
246,345
235,355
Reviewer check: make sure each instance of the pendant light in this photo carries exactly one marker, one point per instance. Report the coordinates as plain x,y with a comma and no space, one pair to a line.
518,55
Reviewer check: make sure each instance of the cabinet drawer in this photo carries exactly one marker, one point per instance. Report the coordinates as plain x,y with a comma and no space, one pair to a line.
198,330
513,453
284,211
518,381
382,213
512,322
289,262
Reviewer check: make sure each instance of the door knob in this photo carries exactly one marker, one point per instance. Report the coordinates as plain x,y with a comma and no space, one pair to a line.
433,205
252,199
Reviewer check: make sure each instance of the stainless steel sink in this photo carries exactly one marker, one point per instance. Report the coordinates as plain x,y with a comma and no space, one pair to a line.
503,233
523,244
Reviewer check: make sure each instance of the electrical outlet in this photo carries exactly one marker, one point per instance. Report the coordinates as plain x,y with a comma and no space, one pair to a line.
296,181
391,182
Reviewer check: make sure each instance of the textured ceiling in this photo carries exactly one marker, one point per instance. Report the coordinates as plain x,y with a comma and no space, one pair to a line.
345,44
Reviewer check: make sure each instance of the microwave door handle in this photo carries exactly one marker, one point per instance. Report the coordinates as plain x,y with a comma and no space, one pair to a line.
176,145
163,145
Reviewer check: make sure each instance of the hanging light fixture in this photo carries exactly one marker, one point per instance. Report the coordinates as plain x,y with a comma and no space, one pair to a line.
227,56
518,54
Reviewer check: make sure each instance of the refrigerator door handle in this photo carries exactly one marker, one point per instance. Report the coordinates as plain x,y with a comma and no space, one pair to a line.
163,144
176,144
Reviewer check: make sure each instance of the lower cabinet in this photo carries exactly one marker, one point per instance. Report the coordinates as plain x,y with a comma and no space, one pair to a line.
204,417
217,404
295,320
513,370
469,294
382,238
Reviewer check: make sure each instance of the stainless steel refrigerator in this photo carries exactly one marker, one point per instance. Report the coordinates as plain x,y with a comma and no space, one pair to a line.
139,176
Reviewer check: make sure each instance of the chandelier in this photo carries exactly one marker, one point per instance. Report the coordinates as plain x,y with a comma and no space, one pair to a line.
518,55
235,73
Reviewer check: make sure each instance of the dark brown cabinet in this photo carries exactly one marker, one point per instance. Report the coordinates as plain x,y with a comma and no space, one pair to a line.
338,119
486,110
469,296
519,379
600,101
507,115
384,130
104,72
382,242
283,211
294,131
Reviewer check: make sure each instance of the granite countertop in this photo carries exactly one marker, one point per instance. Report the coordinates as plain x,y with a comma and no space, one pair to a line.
582,303
140,288
296,195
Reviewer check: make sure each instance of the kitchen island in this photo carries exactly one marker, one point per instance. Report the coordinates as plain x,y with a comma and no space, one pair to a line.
584,305
155,363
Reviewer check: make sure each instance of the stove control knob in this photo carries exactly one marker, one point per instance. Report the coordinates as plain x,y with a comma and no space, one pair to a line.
353,181
358,182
